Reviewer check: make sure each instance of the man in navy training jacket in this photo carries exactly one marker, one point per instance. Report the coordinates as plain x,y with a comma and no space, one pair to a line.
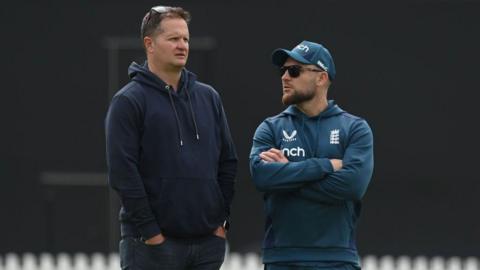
313,162
170,155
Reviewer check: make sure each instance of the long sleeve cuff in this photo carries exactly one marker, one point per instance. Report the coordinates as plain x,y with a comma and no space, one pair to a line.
149,230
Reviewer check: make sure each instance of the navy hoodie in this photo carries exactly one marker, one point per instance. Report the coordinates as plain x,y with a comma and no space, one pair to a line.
170,156
311,210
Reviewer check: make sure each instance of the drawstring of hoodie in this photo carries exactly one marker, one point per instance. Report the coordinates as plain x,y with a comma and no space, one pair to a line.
178,119
193,115
176,115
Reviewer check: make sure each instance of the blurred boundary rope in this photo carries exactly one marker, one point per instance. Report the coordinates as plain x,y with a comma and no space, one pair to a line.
233,261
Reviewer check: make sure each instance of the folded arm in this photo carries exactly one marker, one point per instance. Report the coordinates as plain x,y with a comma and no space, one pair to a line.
351,182
271,171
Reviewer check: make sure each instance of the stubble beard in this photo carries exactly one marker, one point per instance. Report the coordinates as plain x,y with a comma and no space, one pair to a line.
297,97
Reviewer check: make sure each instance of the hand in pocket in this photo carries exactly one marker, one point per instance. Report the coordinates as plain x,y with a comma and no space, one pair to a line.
220,232
156,240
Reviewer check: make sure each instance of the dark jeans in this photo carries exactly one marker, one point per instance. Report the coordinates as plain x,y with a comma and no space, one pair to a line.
173,254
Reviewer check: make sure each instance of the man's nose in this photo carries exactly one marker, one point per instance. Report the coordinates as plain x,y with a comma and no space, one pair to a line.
182,44
286,76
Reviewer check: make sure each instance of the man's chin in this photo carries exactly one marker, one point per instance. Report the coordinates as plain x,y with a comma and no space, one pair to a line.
290,99
178,65
180,62
287,99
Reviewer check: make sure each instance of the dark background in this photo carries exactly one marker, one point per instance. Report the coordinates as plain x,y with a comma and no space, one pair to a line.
410,68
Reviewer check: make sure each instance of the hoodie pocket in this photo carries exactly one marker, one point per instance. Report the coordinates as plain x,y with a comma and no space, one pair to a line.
187,207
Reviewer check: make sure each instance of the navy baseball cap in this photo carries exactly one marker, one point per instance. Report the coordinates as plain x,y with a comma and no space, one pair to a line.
309,53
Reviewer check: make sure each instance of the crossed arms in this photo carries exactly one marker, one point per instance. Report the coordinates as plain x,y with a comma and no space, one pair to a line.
318,179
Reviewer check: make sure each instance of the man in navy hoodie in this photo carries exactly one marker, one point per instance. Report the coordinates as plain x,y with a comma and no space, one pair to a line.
313,162
170,155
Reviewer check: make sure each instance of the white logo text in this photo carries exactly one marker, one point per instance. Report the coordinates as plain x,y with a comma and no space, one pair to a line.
303,48
322,65
294,152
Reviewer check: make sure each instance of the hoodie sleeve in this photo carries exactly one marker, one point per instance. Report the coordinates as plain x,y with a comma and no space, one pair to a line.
349,183
122,127
276,176
227,167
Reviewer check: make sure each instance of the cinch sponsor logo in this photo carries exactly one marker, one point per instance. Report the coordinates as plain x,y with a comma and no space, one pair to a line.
294,152
303,48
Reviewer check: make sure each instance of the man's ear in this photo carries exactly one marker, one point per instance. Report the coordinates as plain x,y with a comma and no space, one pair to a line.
148,43
322,78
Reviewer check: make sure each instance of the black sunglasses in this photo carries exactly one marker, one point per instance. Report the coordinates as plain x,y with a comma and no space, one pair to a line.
295,70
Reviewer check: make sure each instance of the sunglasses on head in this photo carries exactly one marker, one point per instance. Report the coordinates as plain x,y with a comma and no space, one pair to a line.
156,9
160,9
295,70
